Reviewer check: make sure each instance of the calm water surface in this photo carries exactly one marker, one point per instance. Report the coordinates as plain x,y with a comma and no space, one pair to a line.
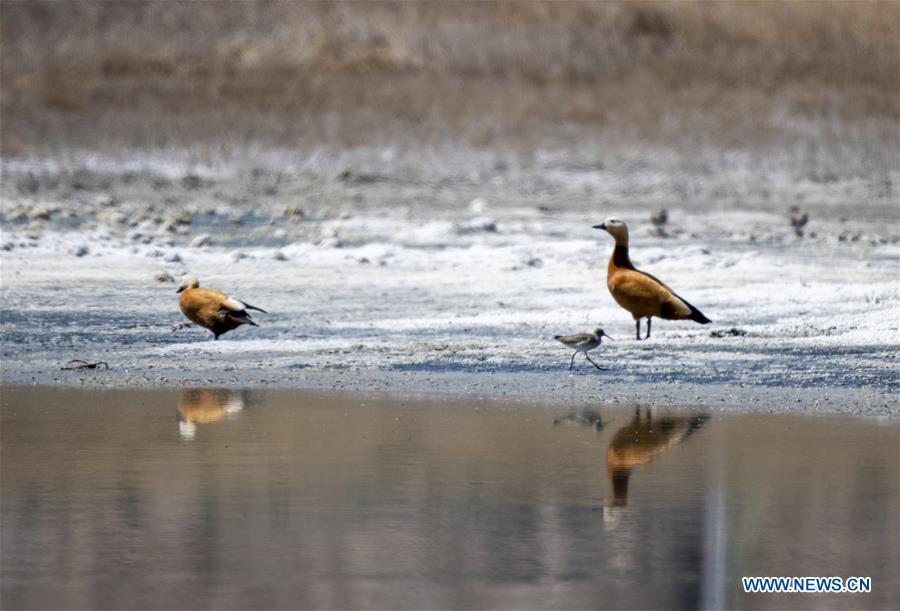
266,499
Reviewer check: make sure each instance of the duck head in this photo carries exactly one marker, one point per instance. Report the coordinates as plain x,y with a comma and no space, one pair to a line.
616,228
188,282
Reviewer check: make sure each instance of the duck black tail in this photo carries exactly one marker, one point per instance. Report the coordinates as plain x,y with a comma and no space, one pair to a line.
240,317
253,307
697,316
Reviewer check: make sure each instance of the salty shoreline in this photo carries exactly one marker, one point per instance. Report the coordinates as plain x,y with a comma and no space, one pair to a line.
781,360
379,282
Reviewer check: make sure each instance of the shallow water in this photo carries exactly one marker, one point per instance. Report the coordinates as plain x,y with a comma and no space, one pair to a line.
273,499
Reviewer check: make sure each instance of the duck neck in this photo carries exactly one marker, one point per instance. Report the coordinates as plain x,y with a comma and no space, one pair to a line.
620,258
619,479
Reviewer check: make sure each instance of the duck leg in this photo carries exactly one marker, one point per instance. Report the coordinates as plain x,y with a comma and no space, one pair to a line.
649,320
637,326
572,362
593,363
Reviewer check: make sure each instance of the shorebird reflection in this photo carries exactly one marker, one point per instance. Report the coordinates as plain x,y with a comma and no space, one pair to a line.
581,417
204,405
641,441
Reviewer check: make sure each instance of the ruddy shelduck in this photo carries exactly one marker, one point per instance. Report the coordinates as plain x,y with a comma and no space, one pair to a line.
212,309
638,292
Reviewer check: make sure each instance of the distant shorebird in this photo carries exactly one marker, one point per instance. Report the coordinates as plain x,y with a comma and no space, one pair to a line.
659,220
640,293
583,342
798,220
212,309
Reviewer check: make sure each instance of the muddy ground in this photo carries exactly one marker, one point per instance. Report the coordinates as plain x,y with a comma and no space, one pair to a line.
404,281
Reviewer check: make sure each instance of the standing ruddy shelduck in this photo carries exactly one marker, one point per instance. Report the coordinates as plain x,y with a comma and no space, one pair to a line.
582,342
638,292
212,309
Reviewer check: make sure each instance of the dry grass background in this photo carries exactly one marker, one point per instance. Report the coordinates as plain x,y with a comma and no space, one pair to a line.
487,74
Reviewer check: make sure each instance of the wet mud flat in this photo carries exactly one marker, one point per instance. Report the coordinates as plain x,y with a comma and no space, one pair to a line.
386,276
229,498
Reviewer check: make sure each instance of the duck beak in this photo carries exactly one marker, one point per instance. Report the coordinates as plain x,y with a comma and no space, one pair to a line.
180,288
603,227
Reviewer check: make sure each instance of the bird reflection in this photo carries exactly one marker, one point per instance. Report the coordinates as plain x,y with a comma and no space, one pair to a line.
581,417
204,405
639,442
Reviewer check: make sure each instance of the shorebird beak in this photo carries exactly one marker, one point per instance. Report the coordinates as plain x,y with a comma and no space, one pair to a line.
601,226
607,336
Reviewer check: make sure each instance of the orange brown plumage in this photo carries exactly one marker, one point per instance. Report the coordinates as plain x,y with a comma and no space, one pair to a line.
643,295
641,441
212,309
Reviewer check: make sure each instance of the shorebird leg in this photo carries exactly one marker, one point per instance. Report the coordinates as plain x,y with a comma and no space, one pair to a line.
593,363
637,326
572,362
649,320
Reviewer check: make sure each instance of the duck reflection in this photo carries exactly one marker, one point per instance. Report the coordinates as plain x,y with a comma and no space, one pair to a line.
639,442
204,405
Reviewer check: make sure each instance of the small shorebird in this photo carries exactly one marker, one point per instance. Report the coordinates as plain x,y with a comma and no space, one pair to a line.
640,293
583,342
212,309
798,220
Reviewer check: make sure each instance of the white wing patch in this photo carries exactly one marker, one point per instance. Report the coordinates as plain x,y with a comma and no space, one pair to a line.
229,303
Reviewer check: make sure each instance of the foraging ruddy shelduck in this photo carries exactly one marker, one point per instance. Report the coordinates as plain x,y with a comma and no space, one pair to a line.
212,309
638,292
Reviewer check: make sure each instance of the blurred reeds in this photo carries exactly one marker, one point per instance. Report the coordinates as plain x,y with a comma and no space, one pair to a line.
483,74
